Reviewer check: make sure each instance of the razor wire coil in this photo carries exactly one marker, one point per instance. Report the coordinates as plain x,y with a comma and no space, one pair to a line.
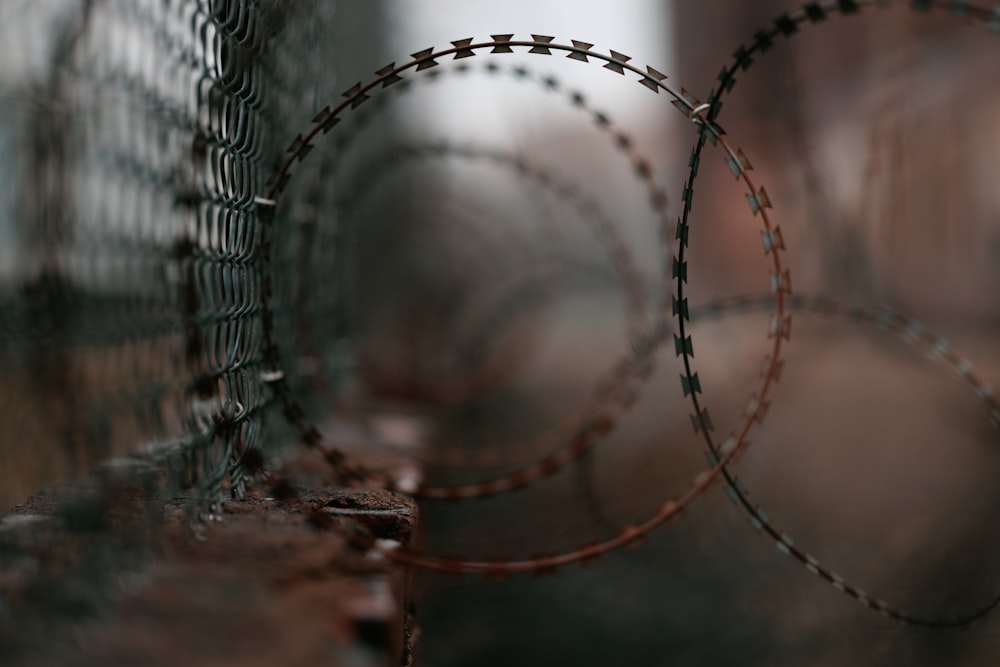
174,236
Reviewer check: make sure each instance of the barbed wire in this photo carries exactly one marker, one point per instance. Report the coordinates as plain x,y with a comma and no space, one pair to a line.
905,329
160,237
780,328
758,203
589,211
788,25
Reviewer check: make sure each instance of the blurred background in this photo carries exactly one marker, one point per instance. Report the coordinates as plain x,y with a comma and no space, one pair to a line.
476,247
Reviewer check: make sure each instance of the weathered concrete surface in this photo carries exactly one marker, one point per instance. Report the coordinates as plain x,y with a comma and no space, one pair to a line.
122,580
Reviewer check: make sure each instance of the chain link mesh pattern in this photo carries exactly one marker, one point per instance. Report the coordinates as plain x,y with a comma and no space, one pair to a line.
130,307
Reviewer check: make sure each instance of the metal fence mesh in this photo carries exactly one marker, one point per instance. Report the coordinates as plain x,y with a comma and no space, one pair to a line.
130,308
179,237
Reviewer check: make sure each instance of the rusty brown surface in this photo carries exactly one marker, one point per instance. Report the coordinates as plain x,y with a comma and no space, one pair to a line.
103,575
